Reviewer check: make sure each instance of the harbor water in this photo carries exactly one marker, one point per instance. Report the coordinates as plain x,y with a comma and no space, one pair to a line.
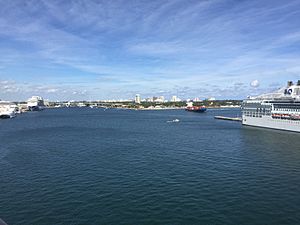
94,166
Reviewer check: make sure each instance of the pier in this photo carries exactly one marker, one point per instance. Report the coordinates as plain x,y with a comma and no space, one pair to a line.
237,119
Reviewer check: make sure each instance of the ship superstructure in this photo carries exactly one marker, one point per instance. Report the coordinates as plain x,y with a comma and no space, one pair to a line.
35,103
278,110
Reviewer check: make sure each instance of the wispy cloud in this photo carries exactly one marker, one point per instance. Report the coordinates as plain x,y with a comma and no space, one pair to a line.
115,48
12,90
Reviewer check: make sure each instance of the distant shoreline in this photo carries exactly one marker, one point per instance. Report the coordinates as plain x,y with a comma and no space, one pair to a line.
173,108
148,109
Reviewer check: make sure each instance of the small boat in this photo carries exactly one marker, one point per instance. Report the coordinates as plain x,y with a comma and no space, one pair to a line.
173,121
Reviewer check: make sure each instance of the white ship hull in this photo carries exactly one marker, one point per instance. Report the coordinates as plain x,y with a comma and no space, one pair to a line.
7,115
269,122
35,108
278,110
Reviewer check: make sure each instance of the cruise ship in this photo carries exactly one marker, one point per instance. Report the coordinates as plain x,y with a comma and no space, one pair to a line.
35,103
279,110
7,109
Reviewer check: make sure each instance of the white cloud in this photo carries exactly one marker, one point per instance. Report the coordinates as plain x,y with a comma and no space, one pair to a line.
254,83
156,48
146,45
52,90
20,91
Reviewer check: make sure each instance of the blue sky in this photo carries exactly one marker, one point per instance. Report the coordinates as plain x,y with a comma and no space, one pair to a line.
114,49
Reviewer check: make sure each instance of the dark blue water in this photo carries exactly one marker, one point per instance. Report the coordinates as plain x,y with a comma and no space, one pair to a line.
89,166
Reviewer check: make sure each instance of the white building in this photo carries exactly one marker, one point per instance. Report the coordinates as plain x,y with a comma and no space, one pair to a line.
137,99
149,99
211,99
81,104
159,99
175,99
197,100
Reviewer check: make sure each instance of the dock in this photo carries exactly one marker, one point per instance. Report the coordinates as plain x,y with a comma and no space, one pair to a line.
237,119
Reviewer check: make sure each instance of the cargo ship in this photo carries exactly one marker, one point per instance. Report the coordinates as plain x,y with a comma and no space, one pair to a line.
191,108
279,110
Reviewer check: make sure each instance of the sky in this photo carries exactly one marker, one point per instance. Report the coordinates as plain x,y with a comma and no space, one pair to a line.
93,50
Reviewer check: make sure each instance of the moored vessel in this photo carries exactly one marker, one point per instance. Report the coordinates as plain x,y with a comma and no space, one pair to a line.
7,109
278,110
35,103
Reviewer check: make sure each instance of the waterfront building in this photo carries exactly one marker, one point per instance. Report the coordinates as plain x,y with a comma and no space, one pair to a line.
159,99
81,104
175,99
197,100
149,99
137,99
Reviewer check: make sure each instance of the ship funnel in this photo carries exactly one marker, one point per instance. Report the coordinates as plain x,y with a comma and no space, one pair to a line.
290,83
298,83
